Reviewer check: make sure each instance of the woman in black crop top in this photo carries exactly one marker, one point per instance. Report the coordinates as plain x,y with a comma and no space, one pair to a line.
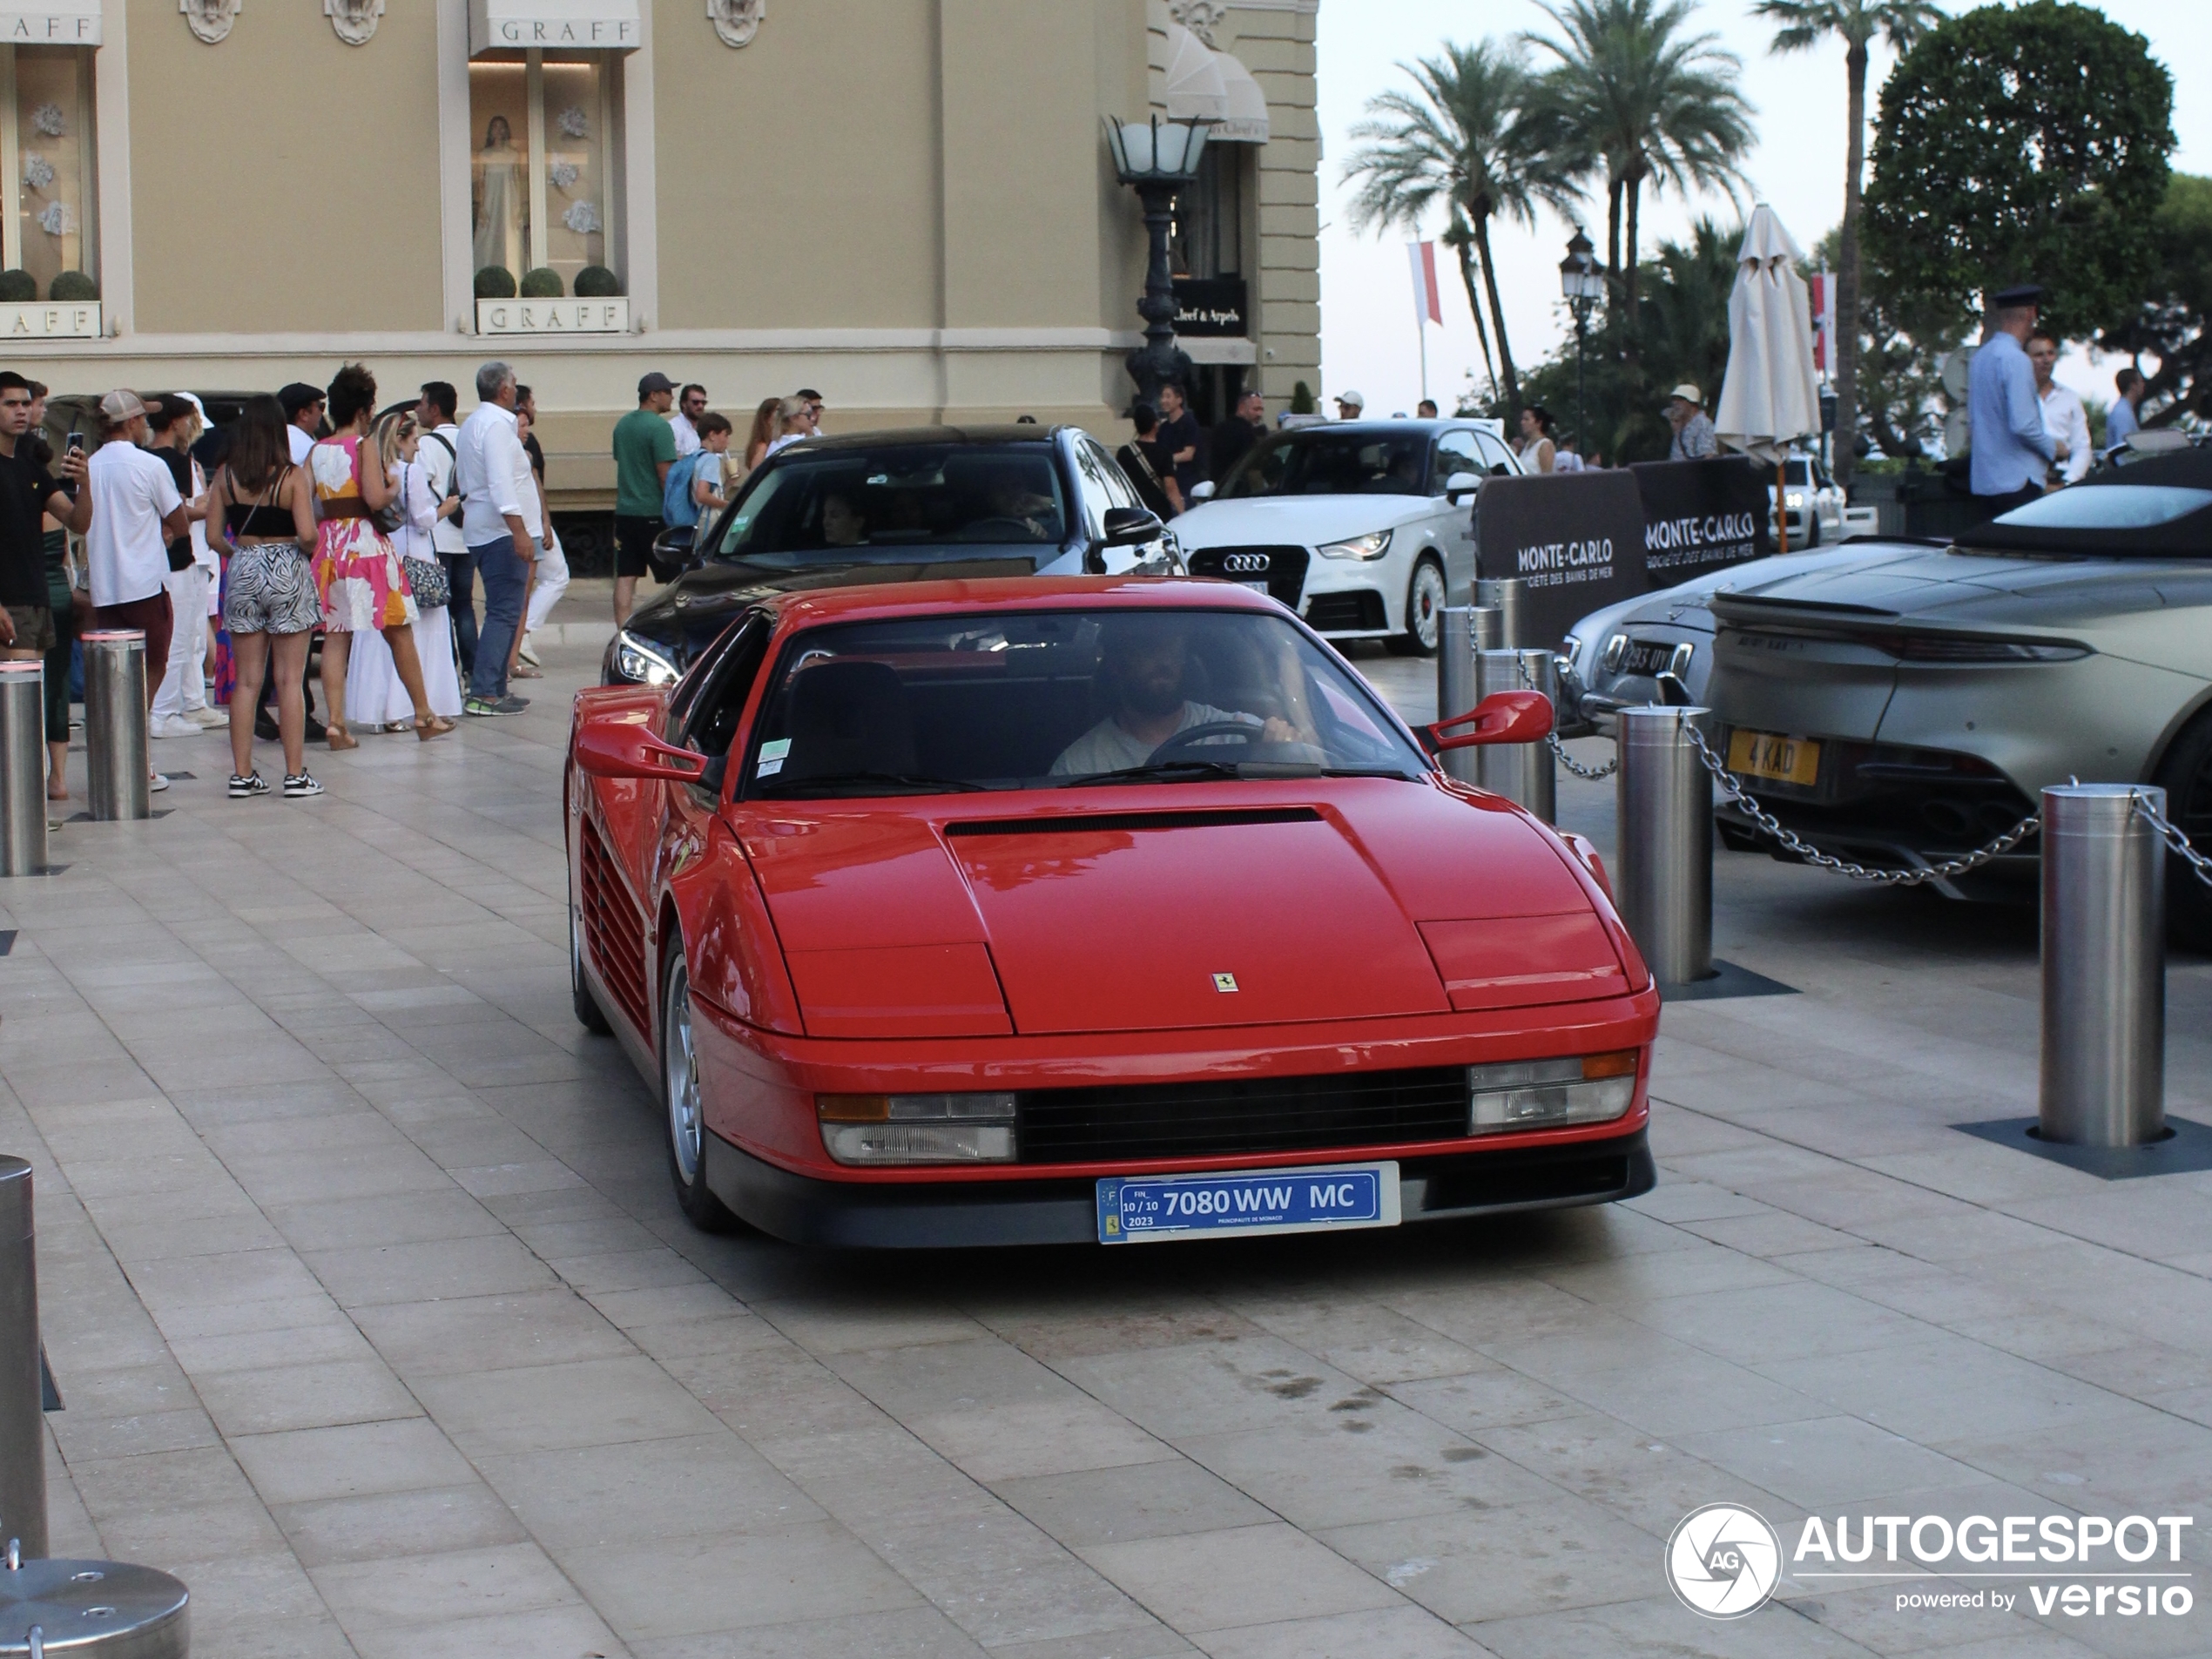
267,512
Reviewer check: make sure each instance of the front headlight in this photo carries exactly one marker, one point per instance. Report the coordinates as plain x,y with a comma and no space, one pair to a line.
641,662
1359,547
917,1129
1548,1094
1796,498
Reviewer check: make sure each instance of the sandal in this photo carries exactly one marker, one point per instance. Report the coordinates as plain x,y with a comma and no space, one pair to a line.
524,672
432,725
339,738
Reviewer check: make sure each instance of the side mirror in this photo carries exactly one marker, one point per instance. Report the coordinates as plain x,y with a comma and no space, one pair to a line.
1461,483
1201,492
672,547
617,748
1127,526
1502,716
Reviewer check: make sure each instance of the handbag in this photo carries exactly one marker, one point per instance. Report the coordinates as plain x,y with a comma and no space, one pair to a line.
426,579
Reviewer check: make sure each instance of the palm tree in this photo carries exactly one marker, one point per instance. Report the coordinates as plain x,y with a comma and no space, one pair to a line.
1658,106
1473,139
1804,24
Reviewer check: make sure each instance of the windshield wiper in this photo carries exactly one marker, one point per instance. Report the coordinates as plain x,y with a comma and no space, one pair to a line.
904,779
1165,772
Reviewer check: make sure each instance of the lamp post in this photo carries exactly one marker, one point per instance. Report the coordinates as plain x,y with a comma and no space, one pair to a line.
1157,159
1583,285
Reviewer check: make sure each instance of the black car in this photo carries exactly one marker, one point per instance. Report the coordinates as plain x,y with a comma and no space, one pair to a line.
922,504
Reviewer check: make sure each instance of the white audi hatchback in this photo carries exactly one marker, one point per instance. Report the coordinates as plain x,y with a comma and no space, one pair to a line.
1364,527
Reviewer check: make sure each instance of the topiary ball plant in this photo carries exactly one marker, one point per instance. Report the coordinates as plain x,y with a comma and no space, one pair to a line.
596,282
495,282
542,283
73,286
17,287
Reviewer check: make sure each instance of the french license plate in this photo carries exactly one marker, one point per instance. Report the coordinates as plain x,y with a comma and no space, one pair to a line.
1135,1209
1256,587
1765,754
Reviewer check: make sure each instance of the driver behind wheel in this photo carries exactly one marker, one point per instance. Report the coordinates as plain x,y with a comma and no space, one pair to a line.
1143,665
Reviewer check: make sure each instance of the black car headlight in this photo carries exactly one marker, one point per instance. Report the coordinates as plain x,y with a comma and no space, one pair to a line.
641,662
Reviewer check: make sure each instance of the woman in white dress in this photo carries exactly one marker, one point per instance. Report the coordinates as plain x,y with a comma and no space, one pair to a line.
375,696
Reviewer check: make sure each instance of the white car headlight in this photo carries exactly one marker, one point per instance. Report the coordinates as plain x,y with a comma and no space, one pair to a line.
1796,498
640,661
1359,547
1546,1094
917,1129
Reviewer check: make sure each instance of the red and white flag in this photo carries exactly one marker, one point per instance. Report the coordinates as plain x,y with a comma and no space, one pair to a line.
1823,287
1428,300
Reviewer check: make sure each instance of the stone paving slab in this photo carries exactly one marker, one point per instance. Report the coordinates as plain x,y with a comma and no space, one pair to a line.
378,1325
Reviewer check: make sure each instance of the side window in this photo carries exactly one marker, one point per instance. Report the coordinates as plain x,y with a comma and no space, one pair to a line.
1455,452
1499,459
1091,476
1119,489
725,679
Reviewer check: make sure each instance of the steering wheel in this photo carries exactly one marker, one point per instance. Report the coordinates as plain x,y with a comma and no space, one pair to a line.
1189,737
1003,522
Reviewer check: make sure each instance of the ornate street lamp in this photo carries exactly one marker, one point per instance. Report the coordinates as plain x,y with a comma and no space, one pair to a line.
1157,160
1583,285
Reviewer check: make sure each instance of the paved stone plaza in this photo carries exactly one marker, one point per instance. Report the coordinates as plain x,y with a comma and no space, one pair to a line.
378,1325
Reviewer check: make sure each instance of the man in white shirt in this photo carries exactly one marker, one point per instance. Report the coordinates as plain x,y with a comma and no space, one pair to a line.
136,514
1145,662
303,407
498,502
439,453
2063,417
691,404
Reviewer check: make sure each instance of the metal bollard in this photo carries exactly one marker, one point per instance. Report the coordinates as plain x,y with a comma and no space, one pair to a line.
22,768
115,723
1507,594
1520,772
23,1423
1455,692
2104,967
1663,882
88,1609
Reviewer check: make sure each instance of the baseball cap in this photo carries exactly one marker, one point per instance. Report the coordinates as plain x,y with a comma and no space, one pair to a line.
300,395
123,404
1352,398
656,381
1687,393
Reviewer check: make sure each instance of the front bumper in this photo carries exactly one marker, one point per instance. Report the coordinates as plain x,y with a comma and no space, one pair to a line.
941,1215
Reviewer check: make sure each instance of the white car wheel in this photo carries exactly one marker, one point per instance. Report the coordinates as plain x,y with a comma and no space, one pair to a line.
1424,610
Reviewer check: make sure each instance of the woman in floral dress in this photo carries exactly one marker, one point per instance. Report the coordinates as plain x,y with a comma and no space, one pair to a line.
358,574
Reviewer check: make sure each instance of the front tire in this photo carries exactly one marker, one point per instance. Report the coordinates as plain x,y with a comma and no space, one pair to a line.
1424,628
2186,776
682,1108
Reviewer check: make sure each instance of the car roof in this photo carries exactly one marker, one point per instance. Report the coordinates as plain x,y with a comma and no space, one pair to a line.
1020,432
1012,593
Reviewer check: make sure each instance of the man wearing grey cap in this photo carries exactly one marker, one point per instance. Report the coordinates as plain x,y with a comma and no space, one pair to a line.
2012,450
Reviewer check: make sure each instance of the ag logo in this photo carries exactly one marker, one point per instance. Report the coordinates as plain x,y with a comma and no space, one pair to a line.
1723,1561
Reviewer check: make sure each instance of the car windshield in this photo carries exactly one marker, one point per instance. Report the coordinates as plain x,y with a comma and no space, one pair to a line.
1050,698
1322,463
815,504
2111,507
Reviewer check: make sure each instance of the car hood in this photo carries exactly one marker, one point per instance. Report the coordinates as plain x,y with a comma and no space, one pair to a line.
1686,603
1176,906
1306,521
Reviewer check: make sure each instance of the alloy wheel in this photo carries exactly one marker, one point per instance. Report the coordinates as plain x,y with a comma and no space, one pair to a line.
1425,605
681,1080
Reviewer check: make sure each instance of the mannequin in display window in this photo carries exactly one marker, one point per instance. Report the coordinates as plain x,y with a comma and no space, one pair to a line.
501,201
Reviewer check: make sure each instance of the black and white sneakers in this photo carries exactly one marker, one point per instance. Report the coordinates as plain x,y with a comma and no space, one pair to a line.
300,786
247,788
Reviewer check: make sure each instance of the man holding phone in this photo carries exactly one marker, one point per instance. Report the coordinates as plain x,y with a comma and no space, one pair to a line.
28,491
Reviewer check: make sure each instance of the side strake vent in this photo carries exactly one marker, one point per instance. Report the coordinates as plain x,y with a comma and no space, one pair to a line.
1092,823
613,930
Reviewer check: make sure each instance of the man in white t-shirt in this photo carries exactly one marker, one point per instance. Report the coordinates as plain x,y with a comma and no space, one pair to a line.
691,404
1144,661
303,406
2064,418
436,414
136,514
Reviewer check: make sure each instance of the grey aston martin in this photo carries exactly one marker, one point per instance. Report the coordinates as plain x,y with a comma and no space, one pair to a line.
1906,703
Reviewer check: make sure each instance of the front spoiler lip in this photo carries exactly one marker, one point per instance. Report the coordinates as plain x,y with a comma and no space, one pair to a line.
801,1210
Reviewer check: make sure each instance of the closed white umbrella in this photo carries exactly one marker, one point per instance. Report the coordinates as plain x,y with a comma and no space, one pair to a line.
1769,399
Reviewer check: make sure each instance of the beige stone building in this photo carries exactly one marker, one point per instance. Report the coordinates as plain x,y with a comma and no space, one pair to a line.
908,204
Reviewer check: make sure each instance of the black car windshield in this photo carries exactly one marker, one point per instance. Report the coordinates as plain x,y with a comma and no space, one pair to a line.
817,504
1323,463
1051,699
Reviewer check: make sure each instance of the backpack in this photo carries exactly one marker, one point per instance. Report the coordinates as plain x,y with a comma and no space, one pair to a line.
677,507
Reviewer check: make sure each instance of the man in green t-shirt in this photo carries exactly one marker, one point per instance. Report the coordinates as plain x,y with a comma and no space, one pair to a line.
645,449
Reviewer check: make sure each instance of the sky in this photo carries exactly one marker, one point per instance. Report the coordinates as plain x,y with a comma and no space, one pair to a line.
1368,339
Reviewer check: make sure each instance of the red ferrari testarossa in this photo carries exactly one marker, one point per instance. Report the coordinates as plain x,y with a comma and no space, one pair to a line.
1096,910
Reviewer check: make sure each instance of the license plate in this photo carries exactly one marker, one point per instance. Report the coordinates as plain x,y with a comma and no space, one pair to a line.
1135,1209
1645,660
1256,587
1763,754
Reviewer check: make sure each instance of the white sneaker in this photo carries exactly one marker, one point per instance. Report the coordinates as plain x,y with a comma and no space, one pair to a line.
173,725
528,652
156,784
206,717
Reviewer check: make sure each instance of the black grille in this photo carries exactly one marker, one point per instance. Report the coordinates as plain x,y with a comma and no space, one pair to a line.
1255,1115
1285,571
1358,613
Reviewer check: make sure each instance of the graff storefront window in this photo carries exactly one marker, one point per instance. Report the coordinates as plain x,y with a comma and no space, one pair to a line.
46,152
541,179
